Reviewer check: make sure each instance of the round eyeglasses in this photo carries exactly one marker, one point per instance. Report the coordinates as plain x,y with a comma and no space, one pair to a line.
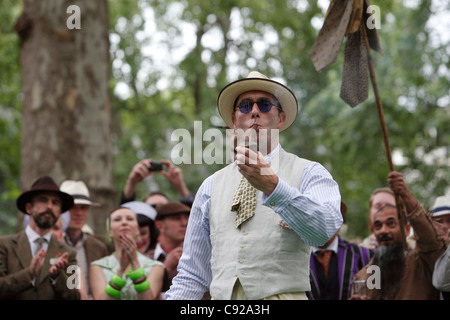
264,105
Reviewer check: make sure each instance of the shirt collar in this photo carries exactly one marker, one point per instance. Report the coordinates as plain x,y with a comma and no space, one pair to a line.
33,235
79,243
333,246
159,251
273,153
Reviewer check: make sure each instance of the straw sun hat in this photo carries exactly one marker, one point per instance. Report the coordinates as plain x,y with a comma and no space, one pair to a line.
256,81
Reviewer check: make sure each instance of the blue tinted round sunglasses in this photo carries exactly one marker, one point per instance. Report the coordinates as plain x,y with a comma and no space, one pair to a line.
264,105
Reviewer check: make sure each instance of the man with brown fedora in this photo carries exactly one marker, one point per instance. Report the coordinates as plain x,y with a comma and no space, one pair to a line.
253,222
33,265
171,222
89,248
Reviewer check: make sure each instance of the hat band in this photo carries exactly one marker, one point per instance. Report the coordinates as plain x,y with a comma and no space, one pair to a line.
80,196
440,209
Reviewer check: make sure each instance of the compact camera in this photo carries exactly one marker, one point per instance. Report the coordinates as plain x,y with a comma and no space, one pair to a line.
155,166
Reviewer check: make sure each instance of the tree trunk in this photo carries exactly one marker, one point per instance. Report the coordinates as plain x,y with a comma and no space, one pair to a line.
66,106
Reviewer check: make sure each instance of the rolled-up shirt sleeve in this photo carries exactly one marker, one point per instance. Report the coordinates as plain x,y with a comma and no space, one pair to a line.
313,209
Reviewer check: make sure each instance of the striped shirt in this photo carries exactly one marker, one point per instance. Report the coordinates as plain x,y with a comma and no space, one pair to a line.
312,211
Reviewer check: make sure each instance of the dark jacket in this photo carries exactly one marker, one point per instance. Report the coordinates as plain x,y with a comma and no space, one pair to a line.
348,261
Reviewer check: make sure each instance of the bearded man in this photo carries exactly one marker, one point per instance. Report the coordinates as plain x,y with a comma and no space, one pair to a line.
402,274
33,264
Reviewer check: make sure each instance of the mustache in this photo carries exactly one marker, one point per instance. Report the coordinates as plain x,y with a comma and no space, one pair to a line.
44,222
385,237
47,212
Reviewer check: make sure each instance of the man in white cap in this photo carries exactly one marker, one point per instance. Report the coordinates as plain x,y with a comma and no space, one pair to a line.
89,248
440,213
253,222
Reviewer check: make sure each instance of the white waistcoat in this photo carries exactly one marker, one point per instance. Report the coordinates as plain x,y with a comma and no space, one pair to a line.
267,258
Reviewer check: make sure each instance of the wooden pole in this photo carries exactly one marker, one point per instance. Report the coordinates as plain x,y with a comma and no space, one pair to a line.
385,136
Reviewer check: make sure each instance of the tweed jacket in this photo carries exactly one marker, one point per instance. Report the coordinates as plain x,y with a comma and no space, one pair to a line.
416,283
15,278
95,249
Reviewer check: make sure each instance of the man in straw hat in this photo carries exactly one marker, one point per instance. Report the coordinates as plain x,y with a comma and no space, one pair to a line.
89,248
253,222
32,263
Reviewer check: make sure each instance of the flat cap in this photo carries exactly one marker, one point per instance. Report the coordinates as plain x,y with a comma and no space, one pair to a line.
172,208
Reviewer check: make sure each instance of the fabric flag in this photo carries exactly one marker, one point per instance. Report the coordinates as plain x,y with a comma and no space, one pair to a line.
347,18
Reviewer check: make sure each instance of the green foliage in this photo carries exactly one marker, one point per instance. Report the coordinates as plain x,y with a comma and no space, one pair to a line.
275,38
169,60
10,113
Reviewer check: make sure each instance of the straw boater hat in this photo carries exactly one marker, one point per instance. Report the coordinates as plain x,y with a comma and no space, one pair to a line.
79,191
441,206
44,184
256,81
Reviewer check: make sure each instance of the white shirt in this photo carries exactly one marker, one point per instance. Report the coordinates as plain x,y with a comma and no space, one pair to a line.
159,252
333,246
81,256
33,236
